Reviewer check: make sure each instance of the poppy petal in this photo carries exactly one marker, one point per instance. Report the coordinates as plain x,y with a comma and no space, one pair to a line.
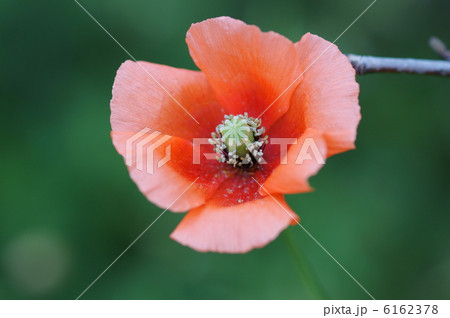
327,98
303,160
235,229
164,186
139,103
163,98
248,69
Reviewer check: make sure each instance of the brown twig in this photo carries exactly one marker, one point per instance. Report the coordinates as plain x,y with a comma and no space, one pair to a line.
372,64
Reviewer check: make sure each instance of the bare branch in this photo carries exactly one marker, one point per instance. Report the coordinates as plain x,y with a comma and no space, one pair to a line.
372,64
439,47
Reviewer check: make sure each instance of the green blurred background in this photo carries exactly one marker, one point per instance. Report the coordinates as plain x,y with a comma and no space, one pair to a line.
69,208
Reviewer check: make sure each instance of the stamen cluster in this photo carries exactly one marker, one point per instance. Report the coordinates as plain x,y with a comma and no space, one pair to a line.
239,141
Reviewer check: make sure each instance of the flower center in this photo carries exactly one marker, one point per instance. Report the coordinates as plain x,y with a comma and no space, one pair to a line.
238,140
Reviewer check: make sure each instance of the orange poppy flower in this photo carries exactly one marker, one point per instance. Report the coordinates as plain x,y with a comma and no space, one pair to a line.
312,93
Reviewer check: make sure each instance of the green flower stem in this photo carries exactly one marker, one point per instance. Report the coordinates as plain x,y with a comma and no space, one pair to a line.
307,275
